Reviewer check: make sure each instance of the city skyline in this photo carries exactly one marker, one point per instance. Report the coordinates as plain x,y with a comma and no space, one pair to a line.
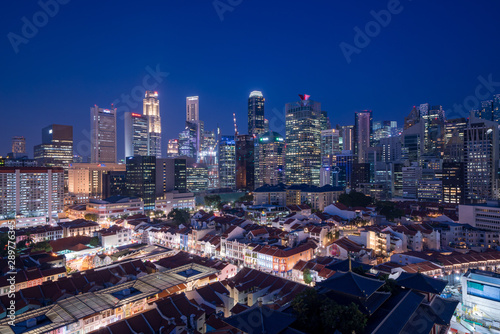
388,90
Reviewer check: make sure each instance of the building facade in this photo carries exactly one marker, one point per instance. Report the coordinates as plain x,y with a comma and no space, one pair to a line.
103,135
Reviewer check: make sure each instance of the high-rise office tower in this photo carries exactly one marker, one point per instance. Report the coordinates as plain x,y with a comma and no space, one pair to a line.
412,140
141,179
324,121
346,133
151,109
136,134
103,135
245,163
269,159
256,120
171,175
188,142
481,160
197,177
227,162
194,124
303,139
208,156
362,133
452,178
192,108
391,149
330,146
173,148
433,119
490,109
56,149
412,119
18,146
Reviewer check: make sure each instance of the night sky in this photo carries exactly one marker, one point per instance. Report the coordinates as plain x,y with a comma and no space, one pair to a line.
92,52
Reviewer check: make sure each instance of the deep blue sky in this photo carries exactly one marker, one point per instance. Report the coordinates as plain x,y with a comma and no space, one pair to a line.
91,52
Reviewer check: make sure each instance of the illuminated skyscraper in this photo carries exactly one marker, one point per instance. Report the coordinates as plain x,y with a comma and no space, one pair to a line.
56,149
303,141
136,134
269,159
347,137
362,133
192,108
195,127
141,179
18,146
481,154
330,146
173,148
227,162
208,156
151,109
103,135
245,162
256,121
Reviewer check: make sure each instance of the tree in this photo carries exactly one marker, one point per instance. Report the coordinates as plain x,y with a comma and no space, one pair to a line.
25,243
42,246
307,276
389,210
179,216
355,198
94,242
212,201
91,216
246,198
159,213
319,314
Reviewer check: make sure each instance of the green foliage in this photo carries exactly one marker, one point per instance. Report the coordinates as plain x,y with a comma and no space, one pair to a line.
307,276
159,213
91,216
42,246
390,284
246,198
355,198
94,242
179,216
4,241
212,201
389,210
319,314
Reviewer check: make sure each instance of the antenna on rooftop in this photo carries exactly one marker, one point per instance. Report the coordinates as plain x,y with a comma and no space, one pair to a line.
349,257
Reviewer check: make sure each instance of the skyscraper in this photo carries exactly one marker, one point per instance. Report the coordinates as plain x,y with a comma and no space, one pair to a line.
245,162
303,139
173,148
171,175
256,121
347,137
103,135
18,146
141,179
227,162
481,160
208,156
192,108
136,134
269,159
151,109
330,146
56,149
196,128
362,133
